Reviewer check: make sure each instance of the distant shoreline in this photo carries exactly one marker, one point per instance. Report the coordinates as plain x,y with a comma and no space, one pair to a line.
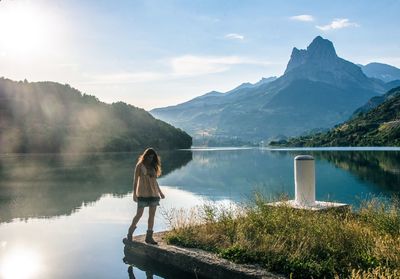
336,148
333,148
232,148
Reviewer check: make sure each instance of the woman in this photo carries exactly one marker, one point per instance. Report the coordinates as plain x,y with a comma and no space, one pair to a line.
146,191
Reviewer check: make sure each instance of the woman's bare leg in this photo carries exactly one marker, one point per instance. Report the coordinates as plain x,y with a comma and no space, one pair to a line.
135,220
152,213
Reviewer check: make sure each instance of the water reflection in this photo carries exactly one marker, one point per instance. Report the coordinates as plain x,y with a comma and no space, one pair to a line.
131,274
382,168
99,185
12,262
150,269
87,244
54,185
234,174
342,176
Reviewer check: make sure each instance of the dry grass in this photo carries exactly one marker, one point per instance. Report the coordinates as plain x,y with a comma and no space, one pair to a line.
299,243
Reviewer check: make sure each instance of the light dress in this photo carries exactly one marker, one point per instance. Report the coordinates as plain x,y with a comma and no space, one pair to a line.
147,188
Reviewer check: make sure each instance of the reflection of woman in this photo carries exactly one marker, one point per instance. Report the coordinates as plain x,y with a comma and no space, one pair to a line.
146,191
149,274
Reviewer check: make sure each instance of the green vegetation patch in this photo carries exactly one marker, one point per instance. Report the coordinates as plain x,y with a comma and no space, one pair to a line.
297,243
379,126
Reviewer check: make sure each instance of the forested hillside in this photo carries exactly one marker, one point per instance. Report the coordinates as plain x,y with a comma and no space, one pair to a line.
43,117
380,126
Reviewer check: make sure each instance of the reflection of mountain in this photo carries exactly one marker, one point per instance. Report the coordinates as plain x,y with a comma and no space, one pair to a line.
235,174
53,185
379,167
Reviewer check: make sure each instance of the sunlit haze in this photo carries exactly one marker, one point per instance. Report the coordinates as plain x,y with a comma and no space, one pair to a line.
20,263
158,53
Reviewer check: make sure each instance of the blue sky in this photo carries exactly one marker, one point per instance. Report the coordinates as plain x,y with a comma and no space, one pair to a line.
158,53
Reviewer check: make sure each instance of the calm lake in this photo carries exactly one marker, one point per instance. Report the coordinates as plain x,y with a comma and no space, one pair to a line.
64,216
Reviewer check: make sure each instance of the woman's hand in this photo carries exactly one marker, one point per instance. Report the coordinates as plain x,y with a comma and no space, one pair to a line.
162,195
134,198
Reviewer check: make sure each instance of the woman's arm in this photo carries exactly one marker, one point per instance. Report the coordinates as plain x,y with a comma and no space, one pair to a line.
161,193
135,181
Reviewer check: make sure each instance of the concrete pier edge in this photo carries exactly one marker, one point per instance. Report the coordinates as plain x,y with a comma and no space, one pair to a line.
193,261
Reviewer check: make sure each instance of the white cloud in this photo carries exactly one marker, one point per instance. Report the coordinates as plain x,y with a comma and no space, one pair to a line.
337,23
198,65
306,18
190,65
234,36
123,77
176,67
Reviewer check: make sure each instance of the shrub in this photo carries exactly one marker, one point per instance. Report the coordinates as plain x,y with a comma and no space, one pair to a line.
299,243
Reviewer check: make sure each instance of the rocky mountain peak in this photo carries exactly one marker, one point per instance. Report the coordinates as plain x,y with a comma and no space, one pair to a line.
321,48
319,51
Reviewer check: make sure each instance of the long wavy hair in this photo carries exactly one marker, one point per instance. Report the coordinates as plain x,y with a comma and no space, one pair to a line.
155,163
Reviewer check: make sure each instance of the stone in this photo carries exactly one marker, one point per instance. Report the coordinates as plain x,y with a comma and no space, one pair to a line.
195,262
316,206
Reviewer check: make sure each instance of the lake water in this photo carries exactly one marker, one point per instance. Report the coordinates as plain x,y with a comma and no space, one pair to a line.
65,216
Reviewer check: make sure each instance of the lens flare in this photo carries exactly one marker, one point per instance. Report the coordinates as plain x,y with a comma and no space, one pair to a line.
23,28
20,263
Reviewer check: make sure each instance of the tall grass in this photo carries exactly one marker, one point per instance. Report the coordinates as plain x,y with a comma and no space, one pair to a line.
297,243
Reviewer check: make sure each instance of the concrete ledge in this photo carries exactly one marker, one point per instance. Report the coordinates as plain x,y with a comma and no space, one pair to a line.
196,262
317,206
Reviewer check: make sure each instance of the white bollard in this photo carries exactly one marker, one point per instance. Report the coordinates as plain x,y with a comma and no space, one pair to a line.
304,179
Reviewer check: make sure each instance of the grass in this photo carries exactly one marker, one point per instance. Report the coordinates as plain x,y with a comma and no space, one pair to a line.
297,243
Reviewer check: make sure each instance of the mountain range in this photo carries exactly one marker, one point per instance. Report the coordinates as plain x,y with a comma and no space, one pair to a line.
381,71
317,91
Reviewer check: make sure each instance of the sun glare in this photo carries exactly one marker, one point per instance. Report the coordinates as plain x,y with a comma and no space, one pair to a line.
20,263
23,28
